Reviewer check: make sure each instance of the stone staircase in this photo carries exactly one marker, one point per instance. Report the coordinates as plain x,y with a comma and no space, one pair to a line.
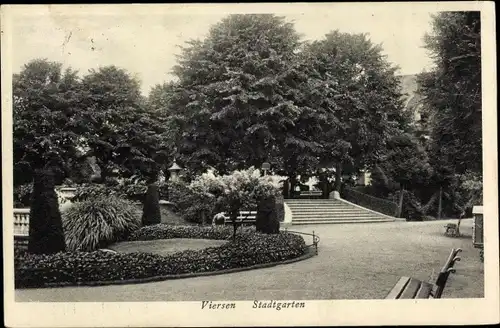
322,211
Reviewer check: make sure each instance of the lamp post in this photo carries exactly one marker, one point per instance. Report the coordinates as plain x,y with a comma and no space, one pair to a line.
265,167
174,171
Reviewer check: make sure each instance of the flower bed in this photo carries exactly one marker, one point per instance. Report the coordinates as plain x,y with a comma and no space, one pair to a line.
92,268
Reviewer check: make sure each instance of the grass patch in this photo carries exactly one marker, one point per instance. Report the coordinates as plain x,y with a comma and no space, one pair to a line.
164,246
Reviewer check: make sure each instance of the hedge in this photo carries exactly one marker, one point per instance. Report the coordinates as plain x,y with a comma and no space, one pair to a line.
163,231
86,268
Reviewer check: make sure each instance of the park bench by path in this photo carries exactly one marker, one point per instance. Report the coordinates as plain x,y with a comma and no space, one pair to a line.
311,194
244,218
410,288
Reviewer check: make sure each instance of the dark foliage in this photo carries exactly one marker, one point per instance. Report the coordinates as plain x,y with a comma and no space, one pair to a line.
151,212
97,222
266,220
45,230
81,268
163,231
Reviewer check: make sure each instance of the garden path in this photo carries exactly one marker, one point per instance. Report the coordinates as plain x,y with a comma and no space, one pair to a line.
355,261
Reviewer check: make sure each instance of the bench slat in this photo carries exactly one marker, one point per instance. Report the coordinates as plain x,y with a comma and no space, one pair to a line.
411,289
398,288
424,291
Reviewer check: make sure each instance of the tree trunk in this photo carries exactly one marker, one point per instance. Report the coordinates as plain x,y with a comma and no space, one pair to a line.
440,204
338,176
203,218
400,204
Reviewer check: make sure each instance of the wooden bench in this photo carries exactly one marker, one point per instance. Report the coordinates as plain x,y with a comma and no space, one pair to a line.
452,229
244,218
411,288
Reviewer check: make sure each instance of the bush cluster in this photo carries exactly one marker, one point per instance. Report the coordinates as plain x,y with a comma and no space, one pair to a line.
96,223
132,189
22,195
81,268
163,231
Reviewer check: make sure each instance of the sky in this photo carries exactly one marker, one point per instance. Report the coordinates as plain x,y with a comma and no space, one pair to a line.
145,39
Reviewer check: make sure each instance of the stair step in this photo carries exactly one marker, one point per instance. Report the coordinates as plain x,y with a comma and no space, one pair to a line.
341,221
335,215
332,210
338,218
293,206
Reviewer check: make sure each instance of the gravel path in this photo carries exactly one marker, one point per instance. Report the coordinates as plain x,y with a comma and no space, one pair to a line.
355,261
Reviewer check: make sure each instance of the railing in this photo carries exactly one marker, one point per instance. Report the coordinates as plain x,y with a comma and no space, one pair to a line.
315,239
21,221
373,203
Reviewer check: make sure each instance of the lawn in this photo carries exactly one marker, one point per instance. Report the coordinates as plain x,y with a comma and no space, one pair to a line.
355,261
164,246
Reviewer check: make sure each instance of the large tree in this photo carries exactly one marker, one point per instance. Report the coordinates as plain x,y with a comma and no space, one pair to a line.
60,118
46,104
237,97
357,92
124,135
452,92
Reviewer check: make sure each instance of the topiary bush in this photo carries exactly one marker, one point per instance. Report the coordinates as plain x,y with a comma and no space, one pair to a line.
96,223
266,220
151,212
81,268
45,229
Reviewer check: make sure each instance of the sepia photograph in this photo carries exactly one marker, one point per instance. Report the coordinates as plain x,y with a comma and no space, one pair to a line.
249,164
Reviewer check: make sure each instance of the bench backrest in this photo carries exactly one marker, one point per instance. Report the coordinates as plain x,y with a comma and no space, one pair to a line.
243,216
445,272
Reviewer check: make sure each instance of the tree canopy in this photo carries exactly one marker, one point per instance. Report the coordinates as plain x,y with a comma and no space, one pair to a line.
253,92
452,91
60,117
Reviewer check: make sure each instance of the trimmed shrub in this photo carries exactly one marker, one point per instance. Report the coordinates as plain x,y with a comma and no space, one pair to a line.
151,212
266,220
84,268
96,223
45,230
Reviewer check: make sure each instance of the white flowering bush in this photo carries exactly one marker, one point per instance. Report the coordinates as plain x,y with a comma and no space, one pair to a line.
232,192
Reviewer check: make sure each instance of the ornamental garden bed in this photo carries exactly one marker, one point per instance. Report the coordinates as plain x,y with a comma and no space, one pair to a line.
248,249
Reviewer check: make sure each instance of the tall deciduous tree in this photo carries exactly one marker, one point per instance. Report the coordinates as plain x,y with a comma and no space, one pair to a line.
358,93
237,96
46,104
452,92
124,135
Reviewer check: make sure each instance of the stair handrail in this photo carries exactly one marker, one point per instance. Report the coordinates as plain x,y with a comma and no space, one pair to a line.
373,203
